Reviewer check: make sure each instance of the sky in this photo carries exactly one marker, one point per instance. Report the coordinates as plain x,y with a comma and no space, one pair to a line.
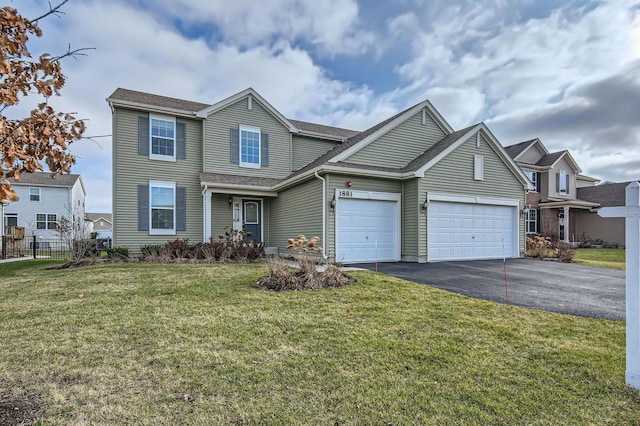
564,71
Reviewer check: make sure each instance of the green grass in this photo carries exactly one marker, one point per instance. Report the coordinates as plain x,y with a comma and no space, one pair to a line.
150,344
604,257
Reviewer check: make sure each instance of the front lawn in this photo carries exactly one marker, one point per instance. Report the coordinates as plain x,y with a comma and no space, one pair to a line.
602,257
194,344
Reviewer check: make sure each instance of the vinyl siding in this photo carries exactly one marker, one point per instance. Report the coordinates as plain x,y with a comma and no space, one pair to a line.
531,155
411,215
561,165
131,169
454,175
400,145
221,215
217,154
335,181
305,150
296,210
590,226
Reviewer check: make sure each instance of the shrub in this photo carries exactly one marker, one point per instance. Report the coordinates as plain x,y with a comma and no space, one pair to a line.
565,252
309,276
151,250
538,246
118,253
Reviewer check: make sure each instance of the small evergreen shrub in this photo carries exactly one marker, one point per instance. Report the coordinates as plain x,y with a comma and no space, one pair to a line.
118,253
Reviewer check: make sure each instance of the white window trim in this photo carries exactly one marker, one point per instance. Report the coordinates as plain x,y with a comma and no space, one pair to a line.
161,184
153,156
528,220
249,129
533,178
563,180
47,221
39,194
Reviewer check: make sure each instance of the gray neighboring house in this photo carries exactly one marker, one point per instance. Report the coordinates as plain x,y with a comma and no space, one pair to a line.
44,199
409,188
99,222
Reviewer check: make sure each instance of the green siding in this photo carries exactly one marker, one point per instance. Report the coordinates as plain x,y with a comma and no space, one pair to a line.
454,175
410,216
131,169
335,181
217,149
400,145
305,150
296,210
221,215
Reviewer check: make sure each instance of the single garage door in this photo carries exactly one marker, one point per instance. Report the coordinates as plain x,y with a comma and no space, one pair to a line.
367,230
463,231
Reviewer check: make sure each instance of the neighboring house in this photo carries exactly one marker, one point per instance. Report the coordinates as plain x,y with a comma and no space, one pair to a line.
44,199
596,229
98,222
554,204
409,188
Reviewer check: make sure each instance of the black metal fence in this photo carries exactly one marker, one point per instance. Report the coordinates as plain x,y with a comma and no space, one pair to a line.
42,248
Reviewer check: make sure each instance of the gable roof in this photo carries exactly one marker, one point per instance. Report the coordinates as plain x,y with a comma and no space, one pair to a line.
133,98
319,129
97,216
46,179
516,150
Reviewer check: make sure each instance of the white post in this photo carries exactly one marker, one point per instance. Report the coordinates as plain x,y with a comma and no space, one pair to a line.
631,213
632,247
206,204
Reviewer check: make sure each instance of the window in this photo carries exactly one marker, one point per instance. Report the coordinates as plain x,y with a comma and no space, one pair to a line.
478,167
10,219
562,182
532,221
46,221
162,196
533,177
249,146
163,138
34,194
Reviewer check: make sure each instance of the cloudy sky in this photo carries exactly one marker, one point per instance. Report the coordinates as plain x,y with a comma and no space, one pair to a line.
565,71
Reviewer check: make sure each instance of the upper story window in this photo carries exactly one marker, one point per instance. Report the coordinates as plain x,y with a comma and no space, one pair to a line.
163,138
562,182
533,177
34,194
250,146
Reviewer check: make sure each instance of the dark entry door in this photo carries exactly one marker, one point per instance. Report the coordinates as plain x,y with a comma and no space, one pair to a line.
252,220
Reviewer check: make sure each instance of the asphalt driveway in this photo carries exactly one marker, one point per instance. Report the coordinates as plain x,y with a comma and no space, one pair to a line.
567,288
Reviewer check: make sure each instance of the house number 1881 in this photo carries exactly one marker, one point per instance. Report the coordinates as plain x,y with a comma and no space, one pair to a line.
345,193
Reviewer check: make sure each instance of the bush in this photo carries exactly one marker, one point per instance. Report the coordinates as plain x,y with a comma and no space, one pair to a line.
538,246
309,276
565,252
151,250
118,253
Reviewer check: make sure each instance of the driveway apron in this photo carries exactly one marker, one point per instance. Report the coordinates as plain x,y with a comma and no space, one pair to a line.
566,288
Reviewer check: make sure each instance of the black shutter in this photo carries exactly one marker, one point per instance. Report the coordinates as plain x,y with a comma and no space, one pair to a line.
234,145
143,135
264,149
566,177
557,182
538,231
181,140
181,208
143,207
538,185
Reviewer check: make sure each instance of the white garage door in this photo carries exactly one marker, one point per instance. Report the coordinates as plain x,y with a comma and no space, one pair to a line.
461,231
367,230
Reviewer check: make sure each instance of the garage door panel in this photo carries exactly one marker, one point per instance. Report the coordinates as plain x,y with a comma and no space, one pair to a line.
470,231
367,230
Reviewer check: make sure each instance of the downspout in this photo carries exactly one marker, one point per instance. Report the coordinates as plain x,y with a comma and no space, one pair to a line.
324,214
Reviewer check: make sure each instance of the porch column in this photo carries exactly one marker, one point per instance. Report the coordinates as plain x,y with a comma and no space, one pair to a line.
206,226
566,224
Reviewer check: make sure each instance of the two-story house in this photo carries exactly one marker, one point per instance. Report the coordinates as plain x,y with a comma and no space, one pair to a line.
409,188
553,205
44,198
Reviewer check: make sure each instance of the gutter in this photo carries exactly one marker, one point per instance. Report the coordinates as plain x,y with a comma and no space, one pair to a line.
324,214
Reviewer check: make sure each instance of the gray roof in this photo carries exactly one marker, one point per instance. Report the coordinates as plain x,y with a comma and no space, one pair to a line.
96,216
156,100
45,179
518,148
324,130
436,149
238,180
550,159
606,194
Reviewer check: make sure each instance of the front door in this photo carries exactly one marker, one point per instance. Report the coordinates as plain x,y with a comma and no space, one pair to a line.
252,220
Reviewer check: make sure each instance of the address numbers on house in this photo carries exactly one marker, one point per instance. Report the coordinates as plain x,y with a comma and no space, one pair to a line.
345,194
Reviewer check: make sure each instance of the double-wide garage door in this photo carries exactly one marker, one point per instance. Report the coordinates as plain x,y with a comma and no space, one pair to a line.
367,230
464,231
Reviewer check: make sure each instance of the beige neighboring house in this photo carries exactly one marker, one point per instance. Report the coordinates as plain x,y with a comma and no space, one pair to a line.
99,222
409,188
558,205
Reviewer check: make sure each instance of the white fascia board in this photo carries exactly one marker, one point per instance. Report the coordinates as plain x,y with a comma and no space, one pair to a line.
226,188
392,125
469,199
536,142
572,162
150,108
321,135
240,95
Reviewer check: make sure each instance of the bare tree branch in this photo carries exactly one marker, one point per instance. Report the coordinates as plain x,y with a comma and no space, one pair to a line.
52,11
